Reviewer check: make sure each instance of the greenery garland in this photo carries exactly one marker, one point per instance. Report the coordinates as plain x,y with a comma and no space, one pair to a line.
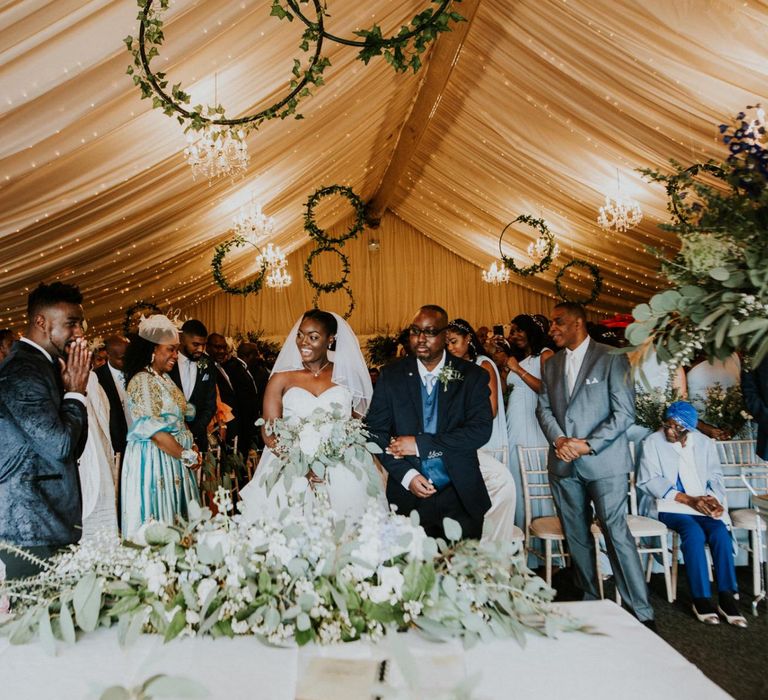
544,233
351,306
154,85
402,50
597,284
316,232
253,287
127,322
327,286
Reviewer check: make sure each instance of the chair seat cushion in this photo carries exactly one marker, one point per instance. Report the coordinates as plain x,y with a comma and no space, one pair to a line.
548,527
517,533
746,519
641,526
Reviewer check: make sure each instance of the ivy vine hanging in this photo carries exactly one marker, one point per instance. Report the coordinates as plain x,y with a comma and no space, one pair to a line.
128,321
252,287
544,234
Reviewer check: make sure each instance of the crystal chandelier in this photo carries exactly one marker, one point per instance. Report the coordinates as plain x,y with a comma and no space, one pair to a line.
278,278
217,152
252,224
537,250
619,213
496,273
272,258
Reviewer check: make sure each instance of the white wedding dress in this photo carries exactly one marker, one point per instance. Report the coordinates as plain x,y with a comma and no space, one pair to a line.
348,495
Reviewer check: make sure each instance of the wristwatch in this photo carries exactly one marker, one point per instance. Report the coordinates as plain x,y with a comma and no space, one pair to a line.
591,452
188,458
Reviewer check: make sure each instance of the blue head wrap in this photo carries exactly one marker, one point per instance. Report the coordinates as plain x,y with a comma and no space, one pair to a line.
683,413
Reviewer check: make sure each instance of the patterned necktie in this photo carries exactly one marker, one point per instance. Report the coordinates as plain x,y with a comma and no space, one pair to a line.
570,373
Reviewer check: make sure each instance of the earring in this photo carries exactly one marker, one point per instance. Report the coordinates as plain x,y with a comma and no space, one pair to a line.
152,360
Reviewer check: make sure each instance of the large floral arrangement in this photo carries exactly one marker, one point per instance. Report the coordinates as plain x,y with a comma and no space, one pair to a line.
318,443
299,579
651,405
718,301
724,408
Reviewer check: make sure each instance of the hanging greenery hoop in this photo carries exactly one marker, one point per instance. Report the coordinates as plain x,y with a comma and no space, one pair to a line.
544,233
685,179
351,297
253,287
138,306
317,233
327,287
401,50
597,281
154,85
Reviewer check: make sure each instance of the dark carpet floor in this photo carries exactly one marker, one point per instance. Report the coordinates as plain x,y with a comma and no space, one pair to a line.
735,659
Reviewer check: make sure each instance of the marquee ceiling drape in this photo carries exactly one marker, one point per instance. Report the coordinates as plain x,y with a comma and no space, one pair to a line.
547,100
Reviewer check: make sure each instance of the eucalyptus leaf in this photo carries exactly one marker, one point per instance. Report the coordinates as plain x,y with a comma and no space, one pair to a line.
87,602
116,692
45,631
175,687
452,529
719,273
303,623
66,625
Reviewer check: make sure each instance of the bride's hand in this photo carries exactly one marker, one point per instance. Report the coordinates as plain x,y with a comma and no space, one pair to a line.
313,478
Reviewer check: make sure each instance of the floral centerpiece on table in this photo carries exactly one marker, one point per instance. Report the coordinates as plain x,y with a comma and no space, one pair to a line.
717,303
298,579
324,440
724,408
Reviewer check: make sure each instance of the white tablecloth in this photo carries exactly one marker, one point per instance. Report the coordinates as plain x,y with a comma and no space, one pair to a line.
626,661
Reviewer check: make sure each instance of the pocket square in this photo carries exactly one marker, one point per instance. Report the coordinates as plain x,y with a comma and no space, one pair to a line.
205,377
594,380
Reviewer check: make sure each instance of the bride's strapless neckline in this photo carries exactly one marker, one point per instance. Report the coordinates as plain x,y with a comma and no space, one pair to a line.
307,391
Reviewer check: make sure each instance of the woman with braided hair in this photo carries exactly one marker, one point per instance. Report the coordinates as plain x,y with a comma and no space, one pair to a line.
462,341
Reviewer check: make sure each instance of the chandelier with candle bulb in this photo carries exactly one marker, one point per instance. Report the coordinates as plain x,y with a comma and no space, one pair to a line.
619,213
496,273
253,224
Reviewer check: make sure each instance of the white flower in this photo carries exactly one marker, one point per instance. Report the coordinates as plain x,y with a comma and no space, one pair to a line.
155,575
309,440
192,617
239,626
204,588
390,585
214,538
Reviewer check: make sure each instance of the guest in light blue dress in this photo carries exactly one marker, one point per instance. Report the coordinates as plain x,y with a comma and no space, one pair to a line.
157,479
528,340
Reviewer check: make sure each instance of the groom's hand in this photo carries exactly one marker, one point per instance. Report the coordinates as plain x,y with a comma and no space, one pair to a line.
403,446
420,487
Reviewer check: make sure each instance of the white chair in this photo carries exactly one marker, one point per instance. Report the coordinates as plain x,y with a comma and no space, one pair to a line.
547,528
749,480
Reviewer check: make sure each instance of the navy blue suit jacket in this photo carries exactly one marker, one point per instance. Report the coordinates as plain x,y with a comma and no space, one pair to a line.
464,425
203,398
41,437
754,386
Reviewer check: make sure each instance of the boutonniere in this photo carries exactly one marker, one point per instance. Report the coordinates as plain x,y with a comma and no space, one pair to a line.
202,363
449,374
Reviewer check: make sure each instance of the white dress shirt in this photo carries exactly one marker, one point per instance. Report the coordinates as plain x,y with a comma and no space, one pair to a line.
188,374
428,379
68,395
573,361
119,378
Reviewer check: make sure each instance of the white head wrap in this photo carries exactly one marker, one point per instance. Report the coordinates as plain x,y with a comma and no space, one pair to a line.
159,329
349,367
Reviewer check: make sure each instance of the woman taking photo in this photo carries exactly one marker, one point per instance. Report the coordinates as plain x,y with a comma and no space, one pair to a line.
529,343
461,341
157,481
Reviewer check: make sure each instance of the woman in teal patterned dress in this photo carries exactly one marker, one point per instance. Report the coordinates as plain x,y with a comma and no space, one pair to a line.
158,481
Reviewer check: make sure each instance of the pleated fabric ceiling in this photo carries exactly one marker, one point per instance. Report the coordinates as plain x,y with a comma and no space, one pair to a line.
547,100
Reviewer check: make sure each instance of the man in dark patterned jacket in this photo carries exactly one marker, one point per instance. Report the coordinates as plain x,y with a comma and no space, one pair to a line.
43,429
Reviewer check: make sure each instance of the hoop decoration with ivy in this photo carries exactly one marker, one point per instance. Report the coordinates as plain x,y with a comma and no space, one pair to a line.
401,50
597,281
253,287
544,233
154,85
138,306
327,287
317,233
684,179
350,309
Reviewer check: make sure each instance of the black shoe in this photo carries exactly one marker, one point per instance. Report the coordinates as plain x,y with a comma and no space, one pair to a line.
651,625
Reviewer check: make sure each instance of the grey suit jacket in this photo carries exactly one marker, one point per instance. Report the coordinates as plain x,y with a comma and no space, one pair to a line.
41,437
600,410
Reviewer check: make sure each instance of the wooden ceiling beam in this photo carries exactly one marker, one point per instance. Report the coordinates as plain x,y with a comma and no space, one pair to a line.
445,54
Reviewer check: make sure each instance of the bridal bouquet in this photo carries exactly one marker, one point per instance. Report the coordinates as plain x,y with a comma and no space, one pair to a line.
317,444
298,579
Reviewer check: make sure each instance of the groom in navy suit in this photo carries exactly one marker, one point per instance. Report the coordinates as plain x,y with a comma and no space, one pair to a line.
430,413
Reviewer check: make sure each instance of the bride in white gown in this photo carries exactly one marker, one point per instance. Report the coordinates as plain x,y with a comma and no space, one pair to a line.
319,366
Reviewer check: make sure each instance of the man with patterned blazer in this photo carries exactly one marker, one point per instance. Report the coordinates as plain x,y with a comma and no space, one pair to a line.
43,428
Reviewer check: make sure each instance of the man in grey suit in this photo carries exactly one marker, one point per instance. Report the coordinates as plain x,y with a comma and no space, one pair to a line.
43,428
585,406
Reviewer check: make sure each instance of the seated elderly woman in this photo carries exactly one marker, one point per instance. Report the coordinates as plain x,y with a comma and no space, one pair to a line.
681,483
